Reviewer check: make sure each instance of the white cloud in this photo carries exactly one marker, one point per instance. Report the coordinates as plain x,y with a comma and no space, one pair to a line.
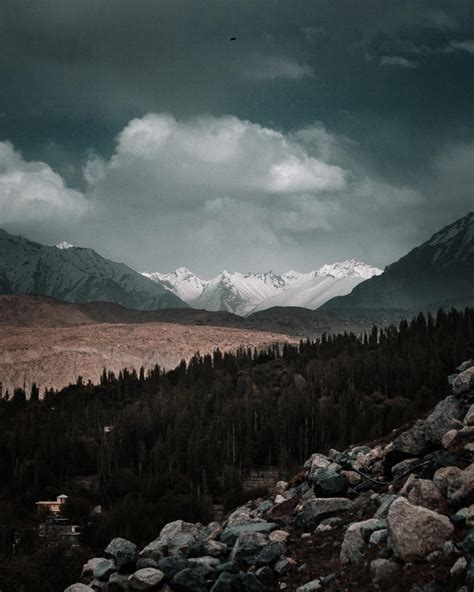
161,160
267,67
397,61
33,192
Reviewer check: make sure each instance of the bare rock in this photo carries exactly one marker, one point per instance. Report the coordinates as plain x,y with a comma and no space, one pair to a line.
78,588
423,492
459,568
146,579
385,573
416,531
315,509
354,544
469,417
439,421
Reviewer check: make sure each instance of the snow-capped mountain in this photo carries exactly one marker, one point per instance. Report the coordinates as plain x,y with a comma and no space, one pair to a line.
76,275
438,273
243,294
182,282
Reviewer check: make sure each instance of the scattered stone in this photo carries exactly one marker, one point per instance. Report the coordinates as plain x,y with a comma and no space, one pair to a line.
379,537
170,566
416,531
231,534
124,553
313,585
118,583
283,566
279,499
385,573
265,574
250,583
247,547
89,567
403,467
278,536
352,477
461,439
354,544
264,506
459,568
230,566
146,579
78,588
146,562
328,483
189,580
216,548
103,569
423,492
270,554
316,509
385,501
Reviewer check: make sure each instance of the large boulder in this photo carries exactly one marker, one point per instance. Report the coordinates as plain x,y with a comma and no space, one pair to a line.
124,553
423,492
440,420
146,579
329,483
416,531
176,537
316,509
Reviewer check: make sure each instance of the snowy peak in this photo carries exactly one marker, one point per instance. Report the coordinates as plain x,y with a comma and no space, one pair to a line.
244,293
63,246
452,244
349,268
182,282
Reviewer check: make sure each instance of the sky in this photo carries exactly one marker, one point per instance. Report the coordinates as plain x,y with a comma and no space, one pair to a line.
327,130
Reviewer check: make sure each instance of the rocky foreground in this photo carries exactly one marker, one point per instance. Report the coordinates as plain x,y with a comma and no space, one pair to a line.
395,516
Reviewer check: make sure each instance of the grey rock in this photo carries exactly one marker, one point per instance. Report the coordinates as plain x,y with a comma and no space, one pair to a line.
310,586
459,568
78,588
385,574
328,483
230,566
316,509
124,553
265,506
463,382
103,569
439,421
250,583
379,537
170,566
146,562
247,547
226,582
416,531
265,574
412,442
283,566
385,501
146,579
232,533
354,544
270,554
189,580
118,583
403,467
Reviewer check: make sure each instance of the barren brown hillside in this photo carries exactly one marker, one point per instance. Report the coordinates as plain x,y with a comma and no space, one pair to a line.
56,356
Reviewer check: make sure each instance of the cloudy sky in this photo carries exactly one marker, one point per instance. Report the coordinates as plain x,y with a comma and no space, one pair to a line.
329,129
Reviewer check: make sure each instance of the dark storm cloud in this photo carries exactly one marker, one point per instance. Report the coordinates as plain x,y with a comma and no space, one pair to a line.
389,82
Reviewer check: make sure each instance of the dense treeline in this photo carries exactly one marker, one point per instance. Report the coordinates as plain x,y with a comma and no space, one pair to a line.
165,443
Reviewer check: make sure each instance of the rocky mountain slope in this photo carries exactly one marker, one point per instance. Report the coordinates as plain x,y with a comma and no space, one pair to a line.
390,516
243,294
76,275
438,273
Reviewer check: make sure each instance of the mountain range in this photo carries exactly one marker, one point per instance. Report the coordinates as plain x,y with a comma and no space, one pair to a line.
244,294
76,274
438,273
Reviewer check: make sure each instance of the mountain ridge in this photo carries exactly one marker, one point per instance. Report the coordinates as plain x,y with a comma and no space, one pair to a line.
246,293
75,274
437,273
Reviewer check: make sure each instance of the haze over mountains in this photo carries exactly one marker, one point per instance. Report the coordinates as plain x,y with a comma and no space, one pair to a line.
244,294
438,273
